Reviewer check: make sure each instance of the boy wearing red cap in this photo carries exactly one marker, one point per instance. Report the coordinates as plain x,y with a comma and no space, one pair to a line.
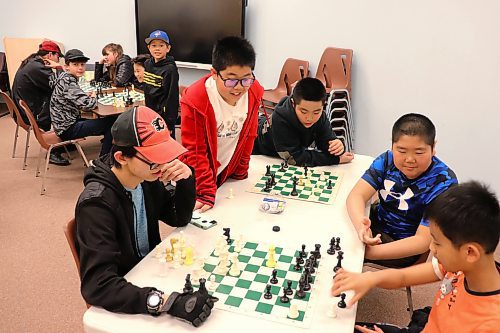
117,217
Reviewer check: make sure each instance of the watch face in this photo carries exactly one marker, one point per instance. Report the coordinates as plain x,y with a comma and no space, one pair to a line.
154,300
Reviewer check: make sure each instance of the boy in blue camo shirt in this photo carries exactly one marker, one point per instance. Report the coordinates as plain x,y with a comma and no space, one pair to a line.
406,178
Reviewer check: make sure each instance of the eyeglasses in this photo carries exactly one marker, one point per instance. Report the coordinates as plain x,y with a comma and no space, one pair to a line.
232,83
152,166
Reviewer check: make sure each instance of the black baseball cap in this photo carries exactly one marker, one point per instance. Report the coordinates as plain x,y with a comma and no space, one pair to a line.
74,55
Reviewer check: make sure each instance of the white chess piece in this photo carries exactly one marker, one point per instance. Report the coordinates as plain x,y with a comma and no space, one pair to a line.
235,270
212,285
158,252
293,312
332,311
231,194
177,259
237,246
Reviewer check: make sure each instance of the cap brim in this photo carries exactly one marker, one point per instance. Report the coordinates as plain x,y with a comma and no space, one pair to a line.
162,153
77,58
149,40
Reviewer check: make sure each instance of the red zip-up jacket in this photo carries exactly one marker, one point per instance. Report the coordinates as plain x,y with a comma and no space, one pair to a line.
199,136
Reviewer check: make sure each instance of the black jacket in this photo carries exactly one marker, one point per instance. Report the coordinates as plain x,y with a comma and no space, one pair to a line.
287,138
161,88
124,72
31,84
105,234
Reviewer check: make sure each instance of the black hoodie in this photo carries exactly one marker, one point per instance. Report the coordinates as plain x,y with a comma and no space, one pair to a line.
287,138
124,72
105,234
161,88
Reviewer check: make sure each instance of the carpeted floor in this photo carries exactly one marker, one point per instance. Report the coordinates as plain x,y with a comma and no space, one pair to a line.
39,285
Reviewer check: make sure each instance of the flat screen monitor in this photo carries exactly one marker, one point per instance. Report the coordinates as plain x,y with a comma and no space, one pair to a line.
193,26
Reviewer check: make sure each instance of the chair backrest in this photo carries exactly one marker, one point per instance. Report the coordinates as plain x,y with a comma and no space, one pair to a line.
292,71
70,233
14,112
38,132
334,68
4,75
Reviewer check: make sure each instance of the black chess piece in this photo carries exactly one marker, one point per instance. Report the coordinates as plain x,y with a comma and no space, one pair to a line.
273,179
331,249
286,164
303,252
188,287
268,170
284,298
341,304
297,266
282,168
274,279
294,192
337,245
268,294
305,171
203,289
288,289
340,256
268,185
227,232
301,293
317,252
314,261
329,184
311,264
305,276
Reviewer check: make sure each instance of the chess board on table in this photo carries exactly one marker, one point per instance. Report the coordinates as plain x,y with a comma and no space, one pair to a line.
87,87
244,294
109,99
314,188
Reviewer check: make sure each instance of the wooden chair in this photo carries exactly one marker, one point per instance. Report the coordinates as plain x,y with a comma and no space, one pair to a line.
70,233
16,117
292,71
48,141
422,259
334,69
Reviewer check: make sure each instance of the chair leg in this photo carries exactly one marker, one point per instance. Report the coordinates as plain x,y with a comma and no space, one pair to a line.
410,300
82,154
47,157
67,153
38,162
26,149
15,142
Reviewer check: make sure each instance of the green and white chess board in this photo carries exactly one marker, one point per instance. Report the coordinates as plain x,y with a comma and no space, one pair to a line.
244,294
314,188
86,87
109,99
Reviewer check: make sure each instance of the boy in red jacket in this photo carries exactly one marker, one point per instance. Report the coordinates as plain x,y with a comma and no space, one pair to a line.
219,119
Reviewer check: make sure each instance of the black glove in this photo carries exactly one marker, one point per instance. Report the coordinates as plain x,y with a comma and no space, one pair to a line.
192,307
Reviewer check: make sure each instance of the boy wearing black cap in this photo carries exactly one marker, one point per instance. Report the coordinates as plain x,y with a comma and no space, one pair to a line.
68,100
118,212
161,79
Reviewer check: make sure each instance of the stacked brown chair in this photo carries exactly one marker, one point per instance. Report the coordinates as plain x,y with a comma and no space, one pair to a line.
70,232
14,113
48,141
293,70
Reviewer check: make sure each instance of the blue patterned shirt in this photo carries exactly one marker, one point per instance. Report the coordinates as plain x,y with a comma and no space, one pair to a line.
402,200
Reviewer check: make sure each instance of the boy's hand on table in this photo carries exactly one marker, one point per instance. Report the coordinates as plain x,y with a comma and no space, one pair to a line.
201,207
364,329
365,233
360,283
335,147
346,157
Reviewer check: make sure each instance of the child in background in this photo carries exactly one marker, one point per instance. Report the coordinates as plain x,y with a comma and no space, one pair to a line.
161,79
68,100
407,179
138,63
118,66
297,123
465,227
219,119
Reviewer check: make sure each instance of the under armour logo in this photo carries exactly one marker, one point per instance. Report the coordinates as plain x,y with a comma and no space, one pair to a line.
159,124
403,205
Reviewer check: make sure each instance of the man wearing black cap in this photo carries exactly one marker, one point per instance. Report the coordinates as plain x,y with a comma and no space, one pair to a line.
68,100
118,212
31,84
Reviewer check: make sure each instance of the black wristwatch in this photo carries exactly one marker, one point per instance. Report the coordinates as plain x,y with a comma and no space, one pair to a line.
153,302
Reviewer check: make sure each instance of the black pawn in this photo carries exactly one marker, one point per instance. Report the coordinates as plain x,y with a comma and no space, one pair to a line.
288,289
305,171
301,293
303,252
337,246
297,266
273,179
268,294
268,185
307,284
282,169
340,256
329,184
331,249
188,287
203,290
268,170
274,279
341,304
284,298
286,164
294,192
